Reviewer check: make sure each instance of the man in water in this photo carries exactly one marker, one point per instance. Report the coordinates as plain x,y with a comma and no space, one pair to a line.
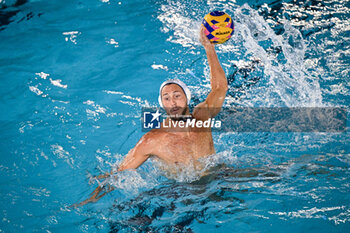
175,145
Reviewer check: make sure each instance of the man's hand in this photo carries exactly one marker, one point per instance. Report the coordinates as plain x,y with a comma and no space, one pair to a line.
219,87
204,39
97,194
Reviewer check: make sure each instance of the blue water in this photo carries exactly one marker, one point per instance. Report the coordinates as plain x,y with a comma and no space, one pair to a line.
75,75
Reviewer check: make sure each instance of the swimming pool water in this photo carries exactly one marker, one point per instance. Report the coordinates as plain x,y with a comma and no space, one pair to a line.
75,75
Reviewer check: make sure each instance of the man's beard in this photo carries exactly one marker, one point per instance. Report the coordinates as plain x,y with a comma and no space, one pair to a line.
180,117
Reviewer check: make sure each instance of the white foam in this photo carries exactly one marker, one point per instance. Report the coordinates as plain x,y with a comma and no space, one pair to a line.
113,92
159,67
62,154
58,83
35,89
43,75
72,36
289,82
113,42
98,108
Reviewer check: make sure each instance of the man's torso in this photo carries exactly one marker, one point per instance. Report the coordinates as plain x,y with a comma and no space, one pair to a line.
182,147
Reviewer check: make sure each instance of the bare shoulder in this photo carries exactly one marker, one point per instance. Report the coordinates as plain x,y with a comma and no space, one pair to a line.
152,137
201,111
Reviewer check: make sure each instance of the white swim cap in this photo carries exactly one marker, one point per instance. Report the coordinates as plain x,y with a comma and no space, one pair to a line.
178,82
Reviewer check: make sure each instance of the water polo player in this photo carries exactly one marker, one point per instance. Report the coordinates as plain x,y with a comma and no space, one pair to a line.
173,145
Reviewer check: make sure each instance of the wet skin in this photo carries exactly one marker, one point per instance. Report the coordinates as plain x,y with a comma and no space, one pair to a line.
174,145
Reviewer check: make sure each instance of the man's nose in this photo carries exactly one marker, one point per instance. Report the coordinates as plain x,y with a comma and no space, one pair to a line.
173,102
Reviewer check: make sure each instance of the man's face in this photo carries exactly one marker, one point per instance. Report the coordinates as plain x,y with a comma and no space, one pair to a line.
174,99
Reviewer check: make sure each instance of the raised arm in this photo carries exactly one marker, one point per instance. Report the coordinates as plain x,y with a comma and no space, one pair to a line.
218,81
135,158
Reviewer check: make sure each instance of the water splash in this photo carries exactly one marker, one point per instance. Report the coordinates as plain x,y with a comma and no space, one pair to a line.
284,80
287,81
176,18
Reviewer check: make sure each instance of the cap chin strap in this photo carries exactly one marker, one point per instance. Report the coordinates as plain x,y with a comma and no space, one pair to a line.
178,82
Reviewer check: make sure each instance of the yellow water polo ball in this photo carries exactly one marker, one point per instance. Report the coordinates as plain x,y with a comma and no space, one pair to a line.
218,27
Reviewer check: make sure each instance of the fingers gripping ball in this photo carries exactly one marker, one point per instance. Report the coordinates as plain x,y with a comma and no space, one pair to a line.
218,27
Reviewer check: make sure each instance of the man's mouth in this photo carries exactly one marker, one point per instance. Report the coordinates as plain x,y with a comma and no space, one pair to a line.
175,110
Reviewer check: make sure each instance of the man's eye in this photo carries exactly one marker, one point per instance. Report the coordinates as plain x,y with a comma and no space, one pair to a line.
166,99
177,96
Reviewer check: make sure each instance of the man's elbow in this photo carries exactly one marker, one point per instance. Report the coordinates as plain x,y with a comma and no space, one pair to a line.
225,88
221,87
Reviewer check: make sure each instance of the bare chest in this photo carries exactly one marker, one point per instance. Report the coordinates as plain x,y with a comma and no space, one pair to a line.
184,147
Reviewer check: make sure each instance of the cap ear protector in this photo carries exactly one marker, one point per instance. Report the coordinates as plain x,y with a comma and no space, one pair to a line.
177,82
